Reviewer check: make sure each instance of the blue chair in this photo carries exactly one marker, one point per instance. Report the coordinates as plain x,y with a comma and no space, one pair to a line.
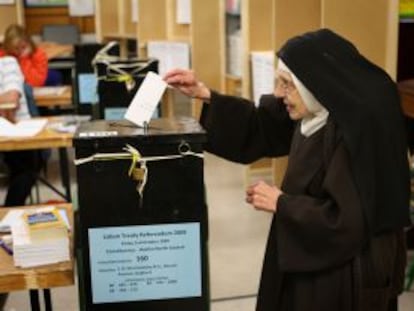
31,103
44,154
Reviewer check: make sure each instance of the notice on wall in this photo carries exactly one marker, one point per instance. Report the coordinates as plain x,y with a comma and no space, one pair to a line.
235,54
183,11
134,10
263,73
170,55
145,262
6,2
81,7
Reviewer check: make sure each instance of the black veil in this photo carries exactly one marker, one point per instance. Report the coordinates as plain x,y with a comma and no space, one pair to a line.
364,102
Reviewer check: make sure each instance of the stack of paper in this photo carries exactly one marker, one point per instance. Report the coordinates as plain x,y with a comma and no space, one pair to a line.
40,238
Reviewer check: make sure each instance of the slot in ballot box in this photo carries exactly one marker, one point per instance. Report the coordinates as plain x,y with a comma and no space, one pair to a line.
142,216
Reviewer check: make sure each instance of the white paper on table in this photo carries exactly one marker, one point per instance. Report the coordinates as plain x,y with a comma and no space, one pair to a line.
263,73
170,55
183,11
9,219
81,7
146,99
6,2
134,10
23,128
49,90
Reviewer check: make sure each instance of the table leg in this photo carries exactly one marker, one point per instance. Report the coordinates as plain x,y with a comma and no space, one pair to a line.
64,171
34,300
48,299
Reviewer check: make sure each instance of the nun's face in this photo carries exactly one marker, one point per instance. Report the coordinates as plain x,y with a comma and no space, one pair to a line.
285,88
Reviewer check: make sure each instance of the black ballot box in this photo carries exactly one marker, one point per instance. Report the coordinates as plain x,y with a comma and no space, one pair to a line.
118,81
142,228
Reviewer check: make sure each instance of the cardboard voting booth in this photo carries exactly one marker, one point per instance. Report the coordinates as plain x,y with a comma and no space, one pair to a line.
142,216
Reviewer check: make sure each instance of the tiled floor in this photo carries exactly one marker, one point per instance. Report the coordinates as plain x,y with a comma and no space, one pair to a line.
236,245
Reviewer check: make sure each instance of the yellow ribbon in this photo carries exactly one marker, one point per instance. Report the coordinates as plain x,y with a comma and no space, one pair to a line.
136,157
118,78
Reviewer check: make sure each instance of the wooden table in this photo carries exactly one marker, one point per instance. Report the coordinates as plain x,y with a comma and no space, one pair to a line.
52,100
43,277
46,139
406,89
53,49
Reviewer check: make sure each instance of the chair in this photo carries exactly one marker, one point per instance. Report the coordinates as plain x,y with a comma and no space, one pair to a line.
31,103
63,34
44,154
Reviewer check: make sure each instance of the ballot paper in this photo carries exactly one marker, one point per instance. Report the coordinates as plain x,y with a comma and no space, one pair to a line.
23,128
146,99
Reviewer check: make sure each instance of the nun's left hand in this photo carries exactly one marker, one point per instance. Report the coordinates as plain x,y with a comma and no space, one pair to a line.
263,196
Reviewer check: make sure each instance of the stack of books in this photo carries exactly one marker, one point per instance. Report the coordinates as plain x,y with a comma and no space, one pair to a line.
40,237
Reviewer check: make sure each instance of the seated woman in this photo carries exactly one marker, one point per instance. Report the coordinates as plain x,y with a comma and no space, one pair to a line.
32,59
24,166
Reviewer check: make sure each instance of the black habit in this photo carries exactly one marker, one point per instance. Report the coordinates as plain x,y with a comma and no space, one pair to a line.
328,249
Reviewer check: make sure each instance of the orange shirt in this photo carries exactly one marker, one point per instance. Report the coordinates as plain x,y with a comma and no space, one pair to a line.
33,66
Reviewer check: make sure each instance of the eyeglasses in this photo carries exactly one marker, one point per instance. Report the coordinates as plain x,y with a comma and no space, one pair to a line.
285,85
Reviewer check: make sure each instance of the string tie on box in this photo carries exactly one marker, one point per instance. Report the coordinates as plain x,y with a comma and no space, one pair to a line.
138,169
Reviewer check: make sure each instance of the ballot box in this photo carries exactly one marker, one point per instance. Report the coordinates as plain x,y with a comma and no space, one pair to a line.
142,227
118,81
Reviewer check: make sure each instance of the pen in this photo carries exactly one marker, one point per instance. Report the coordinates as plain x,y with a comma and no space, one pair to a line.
6,247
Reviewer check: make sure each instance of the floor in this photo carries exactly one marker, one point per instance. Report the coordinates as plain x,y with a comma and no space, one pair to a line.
236,245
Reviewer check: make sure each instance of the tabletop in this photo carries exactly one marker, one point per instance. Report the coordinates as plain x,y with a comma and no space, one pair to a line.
52,96
47,138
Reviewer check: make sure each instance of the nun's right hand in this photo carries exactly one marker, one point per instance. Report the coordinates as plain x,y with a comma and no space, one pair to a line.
186,82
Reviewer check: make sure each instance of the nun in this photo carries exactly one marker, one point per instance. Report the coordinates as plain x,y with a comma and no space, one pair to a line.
336,241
